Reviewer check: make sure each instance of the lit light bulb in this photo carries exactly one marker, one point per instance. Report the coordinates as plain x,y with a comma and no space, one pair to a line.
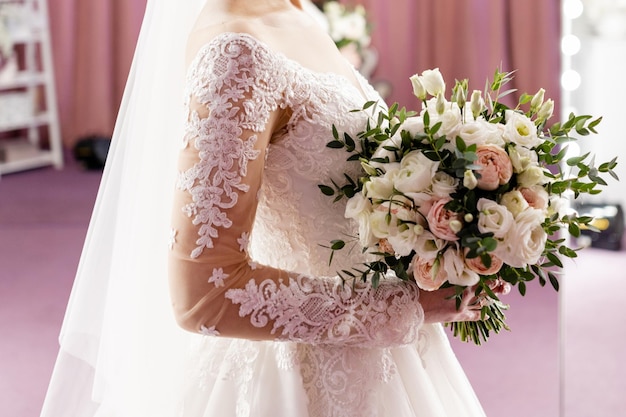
570,45
573,8
570,80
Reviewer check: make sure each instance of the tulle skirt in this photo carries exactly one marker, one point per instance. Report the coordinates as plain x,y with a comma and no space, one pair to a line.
228,377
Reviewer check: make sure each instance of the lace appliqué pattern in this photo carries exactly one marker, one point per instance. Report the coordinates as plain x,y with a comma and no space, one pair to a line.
222,79
323,311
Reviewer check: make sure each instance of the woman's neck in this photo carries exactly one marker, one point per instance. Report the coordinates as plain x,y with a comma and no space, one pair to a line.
256,7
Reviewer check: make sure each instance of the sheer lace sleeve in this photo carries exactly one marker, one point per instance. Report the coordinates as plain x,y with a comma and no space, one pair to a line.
236,98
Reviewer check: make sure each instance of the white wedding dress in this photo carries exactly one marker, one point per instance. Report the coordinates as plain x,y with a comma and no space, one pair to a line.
248,232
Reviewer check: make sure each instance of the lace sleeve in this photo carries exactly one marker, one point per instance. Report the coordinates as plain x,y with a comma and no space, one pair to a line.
236,96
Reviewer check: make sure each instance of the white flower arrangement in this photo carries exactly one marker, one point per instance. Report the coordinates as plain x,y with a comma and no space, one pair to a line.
466,192
347,25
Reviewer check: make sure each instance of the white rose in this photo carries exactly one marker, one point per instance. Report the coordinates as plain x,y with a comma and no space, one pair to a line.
453,263
379,227
379,188
493,218
357,205
433,82
451,119
515,202
427,246
521,158
366,237
422,201
382,153
480,132
558,205
520,130
404,240
414,125
416,173
533,175
526,240
443,184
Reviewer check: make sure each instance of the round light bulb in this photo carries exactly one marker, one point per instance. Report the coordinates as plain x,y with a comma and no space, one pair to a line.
570,80
570,45
573,8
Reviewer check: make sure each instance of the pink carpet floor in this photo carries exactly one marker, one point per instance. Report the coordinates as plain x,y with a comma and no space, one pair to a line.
562,357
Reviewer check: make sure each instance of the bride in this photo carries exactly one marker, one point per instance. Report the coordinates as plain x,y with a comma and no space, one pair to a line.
269,328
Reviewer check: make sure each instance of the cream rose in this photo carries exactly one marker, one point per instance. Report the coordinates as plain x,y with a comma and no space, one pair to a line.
439,219
515,202
533,175
493,218
416,173
496,167
443,184
522,158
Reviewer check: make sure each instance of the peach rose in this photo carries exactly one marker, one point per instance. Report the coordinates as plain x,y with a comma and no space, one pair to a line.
439,219
496,167
385,246
476,264
536,196
428,275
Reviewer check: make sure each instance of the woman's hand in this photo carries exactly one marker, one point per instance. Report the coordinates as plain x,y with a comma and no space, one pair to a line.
440,305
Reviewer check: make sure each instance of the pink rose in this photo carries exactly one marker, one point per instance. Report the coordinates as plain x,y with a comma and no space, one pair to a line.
476,264
496,167
536,196
428,275
439,219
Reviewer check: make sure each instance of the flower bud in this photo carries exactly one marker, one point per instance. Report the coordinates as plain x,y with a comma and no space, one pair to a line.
418,229
418,88
455,226
459,93
369,170
441,104
469,179
469,217
537,100
477,104
545,111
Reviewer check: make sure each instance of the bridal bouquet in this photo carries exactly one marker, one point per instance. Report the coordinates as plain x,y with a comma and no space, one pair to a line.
466,192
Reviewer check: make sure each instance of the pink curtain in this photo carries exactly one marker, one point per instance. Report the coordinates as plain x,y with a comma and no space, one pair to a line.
467,39
93,43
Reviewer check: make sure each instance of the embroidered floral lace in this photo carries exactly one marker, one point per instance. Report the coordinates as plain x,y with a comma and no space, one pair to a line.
249,221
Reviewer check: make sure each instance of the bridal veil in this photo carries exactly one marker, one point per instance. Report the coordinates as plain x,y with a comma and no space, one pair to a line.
121,352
